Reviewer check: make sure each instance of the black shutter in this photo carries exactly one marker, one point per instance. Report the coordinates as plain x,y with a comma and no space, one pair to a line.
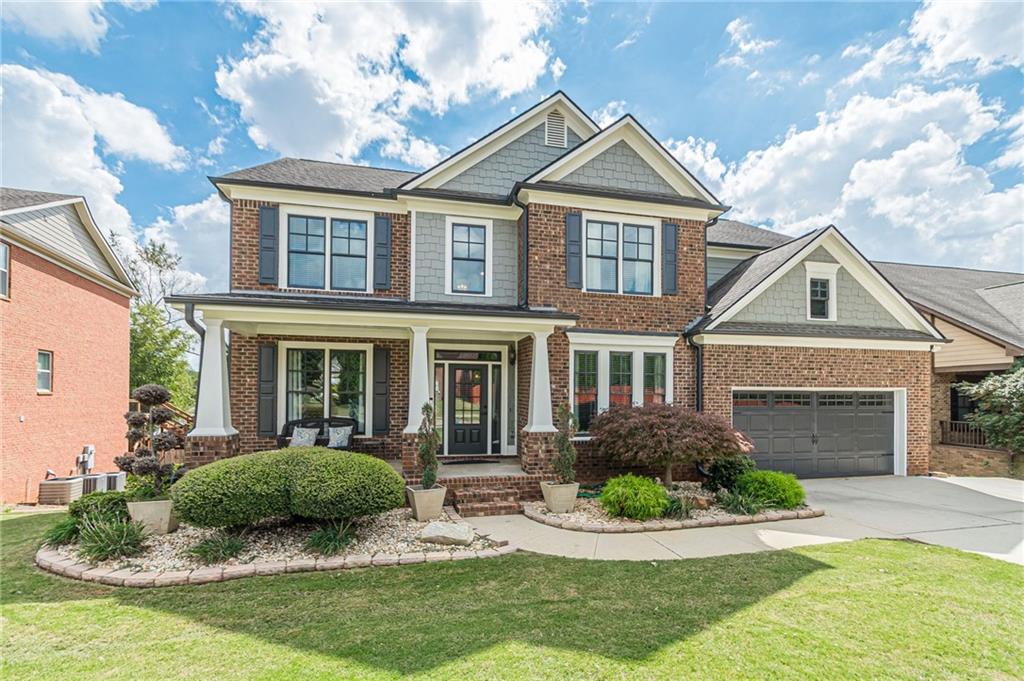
380,390
268,244
573,250
669,258
381,252
267,418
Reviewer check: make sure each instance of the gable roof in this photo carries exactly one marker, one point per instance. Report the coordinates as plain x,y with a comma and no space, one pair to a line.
301,173
757,273
734,234
575,119
60,228
630,130
991,302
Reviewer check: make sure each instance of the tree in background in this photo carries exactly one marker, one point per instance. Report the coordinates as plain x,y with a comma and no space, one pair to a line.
1000,410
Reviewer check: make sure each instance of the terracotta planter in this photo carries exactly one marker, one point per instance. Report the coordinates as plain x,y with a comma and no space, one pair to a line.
156,516
560,497
426,504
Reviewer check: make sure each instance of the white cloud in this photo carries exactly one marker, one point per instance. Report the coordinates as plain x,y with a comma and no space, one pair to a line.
216,146
699,157
557,68
893,52
810,77
199,233
354,74
986,34
79,23
856,51
742,43
627,41
53,129
609,113
1012,155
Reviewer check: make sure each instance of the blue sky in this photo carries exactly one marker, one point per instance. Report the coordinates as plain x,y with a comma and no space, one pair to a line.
900,123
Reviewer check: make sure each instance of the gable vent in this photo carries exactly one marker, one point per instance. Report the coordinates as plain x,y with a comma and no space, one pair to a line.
554,130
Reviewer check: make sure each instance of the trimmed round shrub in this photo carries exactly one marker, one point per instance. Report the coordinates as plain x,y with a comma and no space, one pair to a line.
771,488
308,482
722,472
105,505
631,496
329,485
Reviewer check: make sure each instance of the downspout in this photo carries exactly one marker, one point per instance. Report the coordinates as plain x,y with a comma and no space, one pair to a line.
524,264
190,319
698,372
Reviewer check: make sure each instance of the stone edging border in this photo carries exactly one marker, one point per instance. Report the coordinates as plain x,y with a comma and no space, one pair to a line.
51,561
531,512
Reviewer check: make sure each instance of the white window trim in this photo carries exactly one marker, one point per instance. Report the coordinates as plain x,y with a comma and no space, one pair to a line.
327,214
827,271
621,220
47,391
5,269
488,226
282,377
604,345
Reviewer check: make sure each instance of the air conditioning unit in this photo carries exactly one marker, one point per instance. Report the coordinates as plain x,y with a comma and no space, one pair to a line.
59,491
115,481
96,482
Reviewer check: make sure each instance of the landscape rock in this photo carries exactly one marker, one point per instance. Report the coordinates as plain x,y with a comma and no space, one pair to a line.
451,534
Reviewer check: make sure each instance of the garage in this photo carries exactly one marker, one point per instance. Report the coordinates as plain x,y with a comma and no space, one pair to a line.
817,434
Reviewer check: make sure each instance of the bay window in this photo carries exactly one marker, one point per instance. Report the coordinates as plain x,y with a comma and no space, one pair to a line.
326,381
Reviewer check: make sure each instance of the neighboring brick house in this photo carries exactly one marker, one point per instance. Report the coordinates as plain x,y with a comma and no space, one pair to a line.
64,355
550,261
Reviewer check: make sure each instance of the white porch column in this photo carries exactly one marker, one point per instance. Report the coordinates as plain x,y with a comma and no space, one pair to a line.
419,377
538,419
213,412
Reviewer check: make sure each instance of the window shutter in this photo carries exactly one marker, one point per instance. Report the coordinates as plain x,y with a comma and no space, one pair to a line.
381,252
573,250
380,390
669,258
268,244
267,412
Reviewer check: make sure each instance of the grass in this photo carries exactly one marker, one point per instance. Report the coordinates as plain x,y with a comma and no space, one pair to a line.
862,609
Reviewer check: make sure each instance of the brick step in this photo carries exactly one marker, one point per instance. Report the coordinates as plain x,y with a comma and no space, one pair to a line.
480,495
476,509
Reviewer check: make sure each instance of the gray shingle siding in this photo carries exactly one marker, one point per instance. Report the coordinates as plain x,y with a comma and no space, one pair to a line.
619,167
61,230
719,267
430,265
786,301
516,161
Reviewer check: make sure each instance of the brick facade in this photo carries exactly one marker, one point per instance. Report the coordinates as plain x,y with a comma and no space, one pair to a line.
726,366
85,326
975,461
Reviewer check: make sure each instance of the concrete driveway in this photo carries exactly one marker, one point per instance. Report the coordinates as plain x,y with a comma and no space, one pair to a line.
983,515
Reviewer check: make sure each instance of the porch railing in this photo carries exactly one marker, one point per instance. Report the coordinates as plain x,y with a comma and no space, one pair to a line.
963,433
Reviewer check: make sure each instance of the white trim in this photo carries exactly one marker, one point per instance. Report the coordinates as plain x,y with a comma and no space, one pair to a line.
610,205
504,388
899,408
827,271
488,225
621,220
48,372
538,416
213,410
284,210
282,377
626,129
575,119
816,342
558,133
40,206
866,275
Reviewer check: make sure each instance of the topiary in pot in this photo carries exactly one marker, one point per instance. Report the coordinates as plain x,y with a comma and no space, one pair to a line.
427,498
146,441
560,496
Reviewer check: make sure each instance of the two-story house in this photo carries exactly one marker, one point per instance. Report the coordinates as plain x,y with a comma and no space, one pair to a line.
549,262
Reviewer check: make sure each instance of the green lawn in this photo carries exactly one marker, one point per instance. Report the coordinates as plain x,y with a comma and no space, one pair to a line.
863,609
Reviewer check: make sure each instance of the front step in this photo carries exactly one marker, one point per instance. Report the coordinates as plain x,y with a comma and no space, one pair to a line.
475,509
473,495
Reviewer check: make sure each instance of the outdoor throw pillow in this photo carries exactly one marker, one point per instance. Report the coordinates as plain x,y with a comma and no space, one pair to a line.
339,437
304,437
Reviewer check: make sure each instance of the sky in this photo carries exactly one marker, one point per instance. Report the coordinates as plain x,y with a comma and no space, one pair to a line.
901,124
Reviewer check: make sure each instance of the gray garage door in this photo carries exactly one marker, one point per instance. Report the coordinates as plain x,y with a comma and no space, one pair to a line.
818,434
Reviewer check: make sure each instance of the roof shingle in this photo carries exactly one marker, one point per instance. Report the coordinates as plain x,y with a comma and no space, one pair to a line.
300,172
11,198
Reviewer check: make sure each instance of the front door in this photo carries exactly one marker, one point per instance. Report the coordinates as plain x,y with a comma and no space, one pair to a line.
467,409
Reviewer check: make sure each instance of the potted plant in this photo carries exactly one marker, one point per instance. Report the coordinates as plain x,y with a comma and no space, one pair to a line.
427,498
146,440
560,496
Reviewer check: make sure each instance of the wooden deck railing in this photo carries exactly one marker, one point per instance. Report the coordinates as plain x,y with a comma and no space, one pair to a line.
963,433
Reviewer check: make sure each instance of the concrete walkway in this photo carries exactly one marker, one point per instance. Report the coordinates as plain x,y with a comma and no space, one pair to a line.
925,509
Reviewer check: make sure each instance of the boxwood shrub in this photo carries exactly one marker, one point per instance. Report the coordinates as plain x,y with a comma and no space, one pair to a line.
105,505
771,488
631,496
309,482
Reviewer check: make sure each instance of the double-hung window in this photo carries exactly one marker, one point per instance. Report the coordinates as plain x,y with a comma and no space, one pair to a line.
322,382
602,256
821,290
44,372
637,259
5,270
819,298
654,378
620,384
306,241
348,255
468,259
585,387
